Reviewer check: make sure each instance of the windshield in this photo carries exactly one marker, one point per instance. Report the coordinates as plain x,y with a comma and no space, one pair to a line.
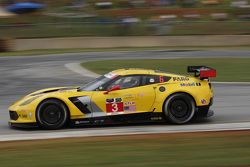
97,83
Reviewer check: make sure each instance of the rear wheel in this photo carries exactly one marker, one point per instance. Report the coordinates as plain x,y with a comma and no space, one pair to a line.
179,108
52,114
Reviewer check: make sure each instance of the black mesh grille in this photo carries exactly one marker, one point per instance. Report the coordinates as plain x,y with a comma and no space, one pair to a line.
13,115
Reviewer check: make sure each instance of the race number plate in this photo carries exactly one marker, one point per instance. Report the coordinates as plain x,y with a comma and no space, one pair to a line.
114,107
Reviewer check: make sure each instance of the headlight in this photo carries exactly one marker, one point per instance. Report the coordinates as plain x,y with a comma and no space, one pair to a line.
29,101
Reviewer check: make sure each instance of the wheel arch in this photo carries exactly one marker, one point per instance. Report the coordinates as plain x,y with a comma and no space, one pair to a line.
53,98
163,104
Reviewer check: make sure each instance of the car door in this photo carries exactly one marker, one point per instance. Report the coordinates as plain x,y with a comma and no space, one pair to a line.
131,97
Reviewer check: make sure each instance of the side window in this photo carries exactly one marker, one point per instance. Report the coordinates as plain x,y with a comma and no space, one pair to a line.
126,82
114,83
153,79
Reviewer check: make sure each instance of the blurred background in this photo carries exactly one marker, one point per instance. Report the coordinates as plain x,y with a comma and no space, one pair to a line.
71,18
42,27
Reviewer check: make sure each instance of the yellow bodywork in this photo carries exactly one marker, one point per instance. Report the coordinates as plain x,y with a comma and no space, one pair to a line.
146,98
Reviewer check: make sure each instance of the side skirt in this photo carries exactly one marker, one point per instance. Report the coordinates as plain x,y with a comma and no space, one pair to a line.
120,119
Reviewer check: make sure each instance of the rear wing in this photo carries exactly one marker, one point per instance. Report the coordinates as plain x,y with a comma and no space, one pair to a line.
202,71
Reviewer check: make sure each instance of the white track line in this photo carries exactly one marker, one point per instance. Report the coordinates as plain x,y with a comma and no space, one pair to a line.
107,131
77,68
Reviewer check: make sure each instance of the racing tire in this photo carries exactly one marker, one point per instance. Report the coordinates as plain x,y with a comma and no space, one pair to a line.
52,114
179,108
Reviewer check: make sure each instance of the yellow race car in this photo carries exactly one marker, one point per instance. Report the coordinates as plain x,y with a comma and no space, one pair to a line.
121,96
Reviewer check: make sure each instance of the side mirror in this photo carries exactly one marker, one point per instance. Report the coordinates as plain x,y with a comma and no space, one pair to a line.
114,88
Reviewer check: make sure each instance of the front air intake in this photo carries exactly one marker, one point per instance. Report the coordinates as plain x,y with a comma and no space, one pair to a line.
13,115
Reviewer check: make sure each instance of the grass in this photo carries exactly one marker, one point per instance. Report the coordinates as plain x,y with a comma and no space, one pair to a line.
78,50
71,29
188,149
76,29
228,69
212,28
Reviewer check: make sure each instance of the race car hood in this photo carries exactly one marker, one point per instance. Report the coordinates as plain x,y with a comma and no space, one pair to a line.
56,89
41,92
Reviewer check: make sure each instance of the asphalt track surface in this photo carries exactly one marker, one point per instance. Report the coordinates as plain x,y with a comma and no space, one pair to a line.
25,74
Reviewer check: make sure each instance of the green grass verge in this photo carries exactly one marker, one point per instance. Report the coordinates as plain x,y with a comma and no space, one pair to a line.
71,29
228,69
190,150
211,28
78,50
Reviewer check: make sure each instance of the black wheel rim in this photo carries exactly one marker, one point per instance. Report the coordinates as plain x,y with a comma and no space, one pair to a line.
180,110
52,114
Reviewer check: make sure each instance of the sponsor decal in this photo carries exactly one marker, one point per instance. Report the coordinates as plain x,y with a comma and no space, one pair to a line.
118,100
129,106
114,100
110,100
129,97
82,122
180,79
129,103
187,84
190,84
115,105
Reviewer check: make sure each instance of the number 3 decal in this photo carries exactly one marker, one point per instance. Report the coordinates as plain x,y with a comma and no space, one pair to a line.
114,107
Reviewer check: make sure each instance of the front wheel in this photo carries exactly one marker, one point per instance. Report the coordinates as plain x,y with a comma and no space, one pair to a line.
179,108
52,114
